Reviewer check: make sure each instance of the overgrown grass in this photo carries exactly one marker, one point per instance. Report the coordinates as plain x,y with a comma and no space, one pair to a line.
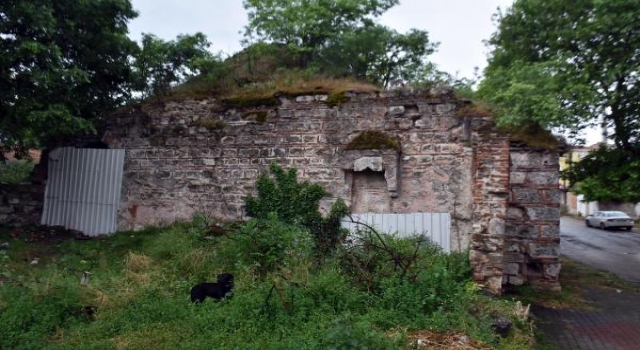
285,82
139,285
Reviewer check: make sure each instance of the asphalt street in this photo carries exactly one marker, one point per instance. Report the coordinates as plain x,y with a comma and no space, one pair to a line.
614,251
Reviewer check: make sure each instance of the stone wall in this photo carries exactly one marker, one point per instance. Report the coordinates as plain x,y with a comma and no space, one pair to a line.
532,231
204,156
490,196
21,204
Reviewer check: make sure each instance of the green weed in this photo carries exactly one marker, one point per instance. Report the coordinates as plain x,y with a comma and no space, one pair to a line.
15,172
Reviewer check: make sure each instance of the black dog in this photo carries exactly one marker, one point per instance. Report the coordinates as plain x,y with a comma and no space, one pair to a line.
219,290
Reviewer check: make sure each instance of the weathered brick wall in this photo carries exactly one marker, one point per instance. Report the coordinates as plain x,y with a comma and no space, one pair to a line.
21,204
490,193
205,156
532,232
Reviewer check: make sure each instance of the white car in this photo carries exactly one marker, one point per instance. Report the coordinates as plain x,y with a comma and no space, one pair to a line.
609,219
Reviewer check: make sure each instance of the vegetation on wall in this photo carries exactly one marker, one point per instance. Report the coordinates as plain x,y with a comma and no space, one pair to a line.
373,139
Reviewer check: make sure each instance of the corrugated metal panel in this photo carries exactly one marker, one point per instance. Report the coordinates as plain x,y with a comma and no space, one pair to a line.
83,189
435,226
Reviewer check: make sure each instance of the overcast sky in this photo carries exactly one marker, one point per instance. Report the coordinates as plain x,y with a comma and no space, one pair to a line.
459,26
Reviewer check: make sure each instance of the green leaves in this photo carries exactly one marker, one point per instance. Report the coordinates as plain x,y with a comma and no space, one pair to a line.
567,63
572,65
339,37
160,65
297,203
606,175
63,64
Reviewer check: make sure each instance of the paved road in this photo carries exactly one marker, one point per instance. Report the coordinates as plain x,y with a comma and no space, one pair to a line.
614,324
614,251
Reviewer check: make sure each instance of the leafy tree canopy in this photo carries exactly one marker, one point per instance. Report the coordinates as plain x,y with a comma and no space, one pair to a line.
606,175
571,65
160,65
566,64
62,64
339,37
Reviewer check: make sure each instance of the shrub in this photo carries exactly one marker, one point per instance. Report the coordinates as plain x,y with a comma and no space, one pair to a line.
266,245
15,172
297,203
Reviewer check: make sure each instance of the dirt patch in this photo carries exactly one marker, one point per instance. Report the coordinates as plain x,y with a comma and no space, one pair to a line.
45,234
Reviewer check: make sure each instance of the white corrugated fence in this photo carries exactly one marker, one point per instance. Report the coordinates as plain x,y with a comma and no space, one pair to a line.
435,226
83,189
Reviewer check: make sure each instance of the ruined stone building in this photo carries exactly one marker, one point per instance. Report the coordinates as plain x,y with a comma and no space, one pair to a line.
399,151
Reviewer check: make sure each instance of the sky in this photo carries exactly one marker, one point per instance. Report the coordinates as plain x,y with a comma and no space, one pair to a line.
460,26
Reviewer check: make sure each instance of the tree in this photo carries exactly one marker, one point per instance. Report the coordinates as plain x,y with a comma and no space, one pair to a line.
568,63
377,54
161,65
571,65
606,175
63,64
339,37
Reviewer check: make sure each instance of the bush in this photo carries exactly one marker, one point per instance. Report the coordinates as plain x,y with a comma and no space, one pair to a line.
297,203
15,172
266,246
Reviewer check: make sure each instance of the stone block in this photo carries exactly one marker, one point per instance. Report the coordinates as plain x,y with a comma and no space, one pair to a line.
294,139
515,280
305,98
363,163
512,269
543,213
514,257
552,270
444,108
544,250
552,196
550,231
426,122
516,177
543,178
396,110
516,213
534,160
6,209
525,195
496,226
